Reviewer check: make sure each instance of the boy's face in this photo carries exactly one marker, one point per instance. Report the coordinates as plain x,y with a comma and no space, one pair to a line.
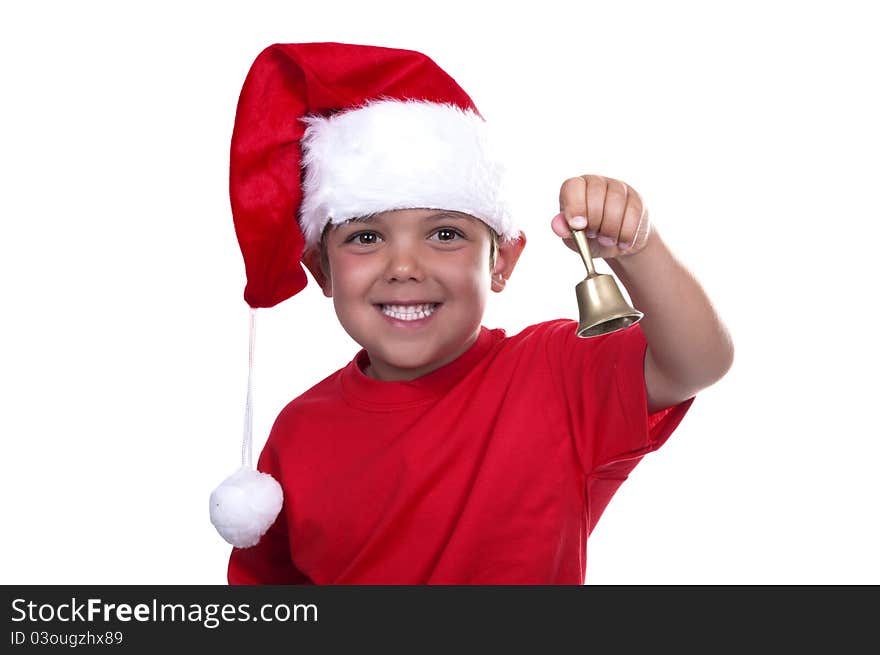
410,286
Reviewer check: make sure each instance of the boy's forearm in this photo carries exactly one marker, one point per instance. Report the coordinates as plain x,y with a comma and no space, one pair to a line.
688,341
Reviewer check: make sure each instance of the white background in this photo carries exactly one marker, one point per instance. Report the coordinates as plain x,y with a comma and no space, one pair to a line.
750,128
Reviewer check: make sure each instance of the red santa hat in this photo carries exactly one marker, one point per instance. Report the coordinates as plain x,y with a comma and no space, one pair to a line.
326,132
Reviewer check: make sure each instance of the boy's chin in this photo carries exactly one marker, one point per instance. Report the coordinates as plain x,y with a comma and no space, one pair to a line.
406,364
402,365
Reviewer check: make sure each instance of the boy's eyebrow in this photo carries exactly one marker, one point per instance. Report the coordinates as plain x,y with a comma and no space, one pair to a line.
357,220
448,214
370,218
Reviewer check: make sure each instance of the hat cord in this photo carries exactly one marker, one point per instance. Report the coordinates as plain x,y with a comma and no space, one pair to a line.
246,455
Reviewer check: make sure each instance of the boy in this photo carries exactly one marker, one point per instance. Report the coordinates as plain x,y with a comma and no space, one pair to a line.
444,452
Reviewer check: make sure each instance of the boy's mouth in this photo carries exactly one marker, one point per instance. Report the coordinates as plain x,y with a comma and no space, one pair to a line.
409,311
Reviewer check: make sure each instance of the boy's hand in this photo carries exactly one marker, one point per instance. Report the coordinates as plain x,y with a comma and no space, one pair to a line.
610,212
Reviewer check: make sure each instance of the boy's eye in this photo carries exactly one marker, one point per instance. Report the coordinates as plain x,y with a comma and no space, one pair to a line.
364,238
447,234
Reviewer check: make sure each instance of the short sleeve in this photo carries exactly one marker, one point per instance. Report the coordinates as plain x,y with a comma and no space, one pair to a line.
603,388
268,562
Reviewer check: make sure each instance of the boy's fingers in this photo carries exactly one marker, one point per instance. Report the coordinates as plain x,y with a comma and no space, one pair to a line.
632,218
560,226
572,201
597,187
612,212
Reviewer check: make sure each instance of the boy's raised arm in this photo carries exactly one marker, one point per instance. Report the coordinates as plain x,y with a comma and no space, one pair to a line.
689,347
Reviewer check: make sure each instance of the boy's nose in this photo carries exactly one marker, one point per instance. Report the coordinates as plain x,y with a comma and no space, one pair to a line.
403,264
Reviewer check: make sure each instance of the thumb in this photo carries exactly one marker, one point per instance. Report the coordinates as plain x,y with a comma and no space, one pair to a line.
560,227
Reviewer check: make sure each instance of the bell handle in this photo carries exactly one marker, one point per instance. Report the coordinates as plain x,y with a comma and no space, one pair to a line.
584,249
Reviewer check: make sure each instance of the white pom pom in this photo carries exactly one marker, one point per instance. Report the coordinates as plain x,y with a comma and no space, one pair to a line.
245,505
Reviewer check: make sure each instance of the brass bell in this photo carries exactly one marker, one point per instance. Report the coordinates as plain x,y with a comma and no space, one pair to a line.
602,306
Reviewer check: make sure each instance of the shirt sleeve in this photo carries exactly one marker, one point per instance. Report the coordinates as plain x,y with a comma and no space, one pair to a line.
603,386
268,562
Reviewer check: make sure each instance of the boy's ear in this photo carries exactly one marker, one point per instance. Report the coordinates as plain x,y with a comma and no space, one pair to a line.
311,258
505,261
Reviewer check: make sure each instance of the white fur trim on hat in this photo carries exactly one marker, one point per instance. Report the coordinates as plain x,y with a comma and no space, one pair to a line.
394,154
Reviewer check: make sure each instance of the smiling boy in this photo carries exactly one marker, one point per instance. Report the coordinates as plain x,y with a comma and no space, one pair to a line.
411,286
445,452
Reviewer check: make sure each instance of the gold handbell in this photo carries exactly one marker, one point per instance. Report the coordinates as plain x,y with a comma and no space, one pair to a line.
602,306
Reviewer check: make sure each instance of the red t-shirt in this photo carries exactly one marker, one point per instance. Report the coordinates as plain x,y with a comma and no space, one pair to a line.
493,469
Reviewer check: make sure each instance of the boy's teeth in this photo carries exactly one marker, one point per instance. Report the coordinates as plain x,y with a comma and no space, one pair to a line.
409,312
